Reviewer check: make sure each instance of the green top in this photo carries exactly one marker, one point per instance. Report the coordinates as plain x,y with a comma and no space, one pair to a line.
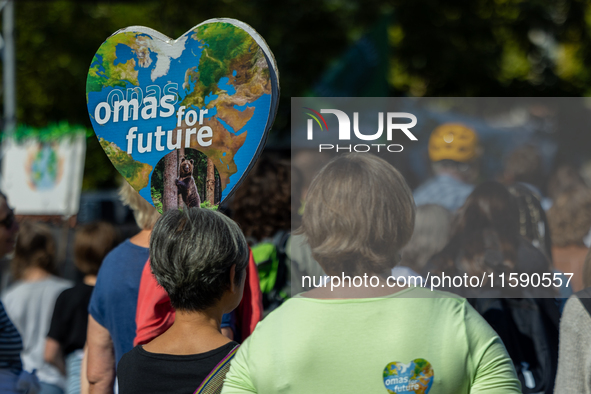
415,341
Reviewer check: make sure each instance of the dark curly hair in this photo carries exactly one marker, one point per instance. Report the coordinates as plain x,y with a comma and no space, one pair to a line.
262,204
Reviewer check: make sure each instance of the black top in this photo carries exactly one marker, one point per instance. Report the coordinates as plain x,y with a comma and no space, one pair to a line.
143,372
70,318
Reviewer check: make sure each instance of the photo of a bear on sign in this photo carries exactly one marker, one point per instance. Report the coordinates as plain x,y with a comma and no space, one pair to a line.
186,184
188,179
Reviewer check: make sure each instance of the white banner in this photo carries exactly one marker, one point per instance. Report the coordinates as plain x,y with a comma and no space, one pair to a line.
43,178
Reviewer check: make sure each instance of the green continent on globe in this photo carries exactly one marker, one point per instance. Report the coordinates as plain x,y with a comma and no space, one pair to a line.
230,52
135,172
104,73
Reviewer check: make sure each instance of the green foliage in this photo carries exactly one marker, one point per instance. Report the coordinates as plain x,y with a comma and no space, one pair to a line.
102,70
455,48
208,205
53,132
156,197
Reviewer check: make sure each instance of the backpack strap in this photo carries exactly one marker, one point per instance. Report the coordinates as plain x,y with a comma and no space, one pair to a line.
212,384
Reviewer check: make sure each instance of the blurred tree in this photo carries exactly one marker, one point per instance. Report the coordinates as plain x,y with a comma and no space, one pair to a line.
453,48
491,48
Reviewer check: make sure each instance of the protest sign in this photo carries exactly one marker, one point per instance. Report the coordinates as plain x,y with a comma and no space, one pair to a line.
42,169
183,120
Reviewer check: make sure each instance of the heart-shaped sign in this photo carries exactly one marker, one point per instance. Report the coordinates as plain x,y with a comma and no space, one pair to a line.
183,120
415,377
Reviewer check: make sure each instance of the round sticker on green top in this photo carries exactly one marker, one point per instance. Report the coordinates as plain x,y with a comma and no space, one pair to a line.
203,102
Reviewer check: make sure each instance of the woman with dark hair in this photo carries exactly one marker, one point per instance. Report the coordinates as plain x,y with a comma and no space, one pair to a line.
349,337
30,300
69,323
487,239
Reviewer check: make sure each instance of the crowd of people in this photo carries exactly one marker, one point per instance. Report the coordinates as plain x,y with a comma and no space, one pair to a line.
209,300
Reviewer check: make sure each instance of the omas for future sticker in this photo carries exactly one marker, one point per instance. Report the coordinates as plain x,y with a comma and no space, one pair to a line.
202,103
415,377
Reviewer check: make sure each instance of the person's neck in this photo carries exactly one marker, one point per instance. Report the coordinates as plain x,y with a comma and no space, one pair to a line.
142,238
89,280
35,274
191,333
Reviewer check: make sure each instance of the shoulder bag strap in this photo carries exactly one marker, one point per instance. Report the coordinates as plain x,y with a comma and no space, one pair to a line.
214,381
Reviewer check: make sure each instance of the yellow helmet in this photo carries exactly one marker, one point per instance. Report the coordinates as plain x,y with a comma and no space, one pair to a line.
453,141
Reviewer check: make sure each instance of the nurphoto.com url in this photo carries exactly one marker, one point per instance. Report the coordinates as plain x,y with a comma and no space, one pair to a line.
434,282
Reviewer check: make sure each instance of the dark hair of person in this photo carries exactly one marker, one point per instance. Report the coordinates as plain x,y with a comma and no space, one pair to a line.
485,234
35,248
262,204
191,254
359,214
92,243
524,164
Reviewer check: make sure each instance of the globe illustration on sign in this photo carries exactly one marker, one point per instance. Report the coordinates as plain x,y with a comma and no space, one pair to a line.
213,90
44,167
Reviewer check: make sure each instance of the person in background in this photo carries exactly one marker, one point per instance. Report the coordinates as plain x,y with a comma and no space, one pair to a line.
574,357
11,344
533,226
359,214
67,331
533,221
565,177
199,256
262,207
29,302
113,304
431,233
453,151
486,241
570,220
486,237
524,166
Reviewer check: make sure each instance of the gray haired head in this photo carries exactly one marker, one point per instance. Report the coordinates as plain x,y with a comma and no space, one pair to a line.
191,254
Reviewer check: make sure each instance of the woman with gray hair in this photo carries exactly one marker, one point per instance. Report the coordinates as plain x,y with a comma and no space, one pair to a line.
361,333
199,257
